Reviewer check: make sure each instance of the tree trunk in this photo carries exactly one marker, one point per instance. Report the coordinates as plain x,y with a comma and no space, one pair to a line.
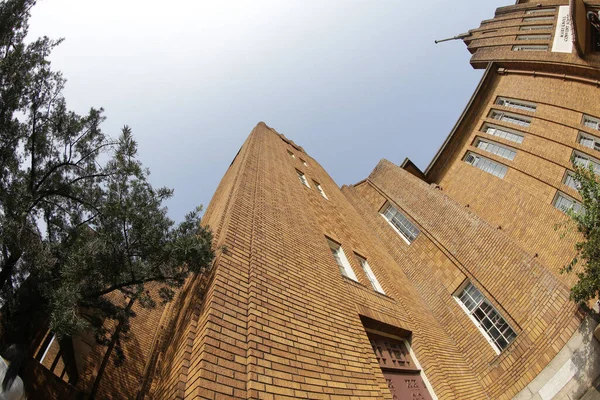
111,346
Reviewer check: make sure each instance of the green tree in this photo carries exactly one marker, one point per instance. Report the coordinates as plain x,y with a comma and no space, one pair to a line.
79,220
586,219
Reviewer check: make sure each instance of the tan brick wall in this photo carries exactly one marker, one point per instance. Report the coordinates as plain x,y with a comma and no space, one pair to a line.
454,243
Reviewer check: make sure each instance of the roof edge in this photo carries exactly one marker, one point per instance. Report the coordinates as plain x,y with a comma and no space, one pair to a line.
462,116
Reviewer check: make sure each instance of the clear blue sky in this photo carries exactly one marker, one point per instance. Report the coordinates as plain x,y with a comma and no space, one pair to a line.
350,81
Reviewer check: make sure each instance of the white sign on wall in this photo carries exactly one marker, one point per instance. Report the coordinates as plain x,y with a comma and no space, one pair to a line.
563,35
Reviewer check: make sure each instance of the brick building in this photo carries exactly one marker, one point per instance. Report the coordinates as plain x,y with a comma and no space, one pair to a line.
441,283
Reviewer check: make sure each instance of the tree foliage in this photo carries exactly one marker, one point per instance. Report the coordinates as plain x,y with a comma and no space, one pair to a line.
79,220
586,219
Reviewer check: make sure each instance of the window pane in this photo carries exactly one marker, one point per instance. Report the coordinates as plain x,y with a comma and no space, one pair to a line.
496,149
406,228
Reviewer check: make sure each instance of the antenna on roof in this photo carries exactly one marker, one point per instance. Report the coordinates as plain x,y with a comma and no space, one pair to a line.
461,36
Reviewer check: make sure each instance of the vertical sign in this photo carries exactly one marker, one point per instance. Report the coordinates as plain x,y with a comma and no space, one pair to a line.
563,33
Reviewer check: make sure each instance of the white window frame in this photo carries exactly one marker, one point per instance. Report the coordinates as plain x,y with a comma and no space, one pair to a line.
541,36
530,47
302,178
508,338
575,205
540,10
586,136
535,27
481,162
369,273
502,132
569,180
511,117
544,18
341,260
589,120
320,190
497,149
516,104
585,160
409,236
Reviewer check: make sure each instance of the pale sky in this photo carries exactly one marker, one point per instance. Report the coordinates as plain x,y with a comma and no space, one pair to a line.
350,81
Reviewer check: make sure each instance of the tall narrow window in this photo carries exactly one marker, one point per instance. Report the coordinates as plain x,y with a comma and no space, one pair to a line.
302,178
341,260
535,27
565,203
407,230
489,321
530,47
496,149
369,272
320,189
591,122
485,164
589,141
517,104
510,117
503,133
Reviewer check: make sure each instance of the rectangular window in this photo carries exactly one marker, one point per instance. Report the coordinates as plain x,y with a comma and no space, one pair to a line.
540,10
489,321
570,181
565,203
530,47
591,122
586,161
535,27
487,165
517,104
504,133
407,230
320,189
291,154
370,274
302,178
509,117
304,162
589,141
341,260
533,37
533,19
496,149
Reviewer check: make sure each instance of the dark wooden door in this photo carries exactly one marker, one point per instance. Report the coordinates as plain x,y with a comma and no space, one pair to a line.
399,369
406,385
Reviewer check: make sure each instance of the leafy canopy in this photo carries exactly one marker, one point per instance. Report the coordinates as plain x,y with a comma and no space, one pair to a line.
80,224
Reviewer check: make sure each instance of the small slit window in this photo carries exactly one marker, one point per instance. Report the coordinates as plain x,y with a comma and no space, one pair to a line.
530,47
540,11
291,154
302,178
369,273
303,162
535,27
320,190
533,37
534,19
341,260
